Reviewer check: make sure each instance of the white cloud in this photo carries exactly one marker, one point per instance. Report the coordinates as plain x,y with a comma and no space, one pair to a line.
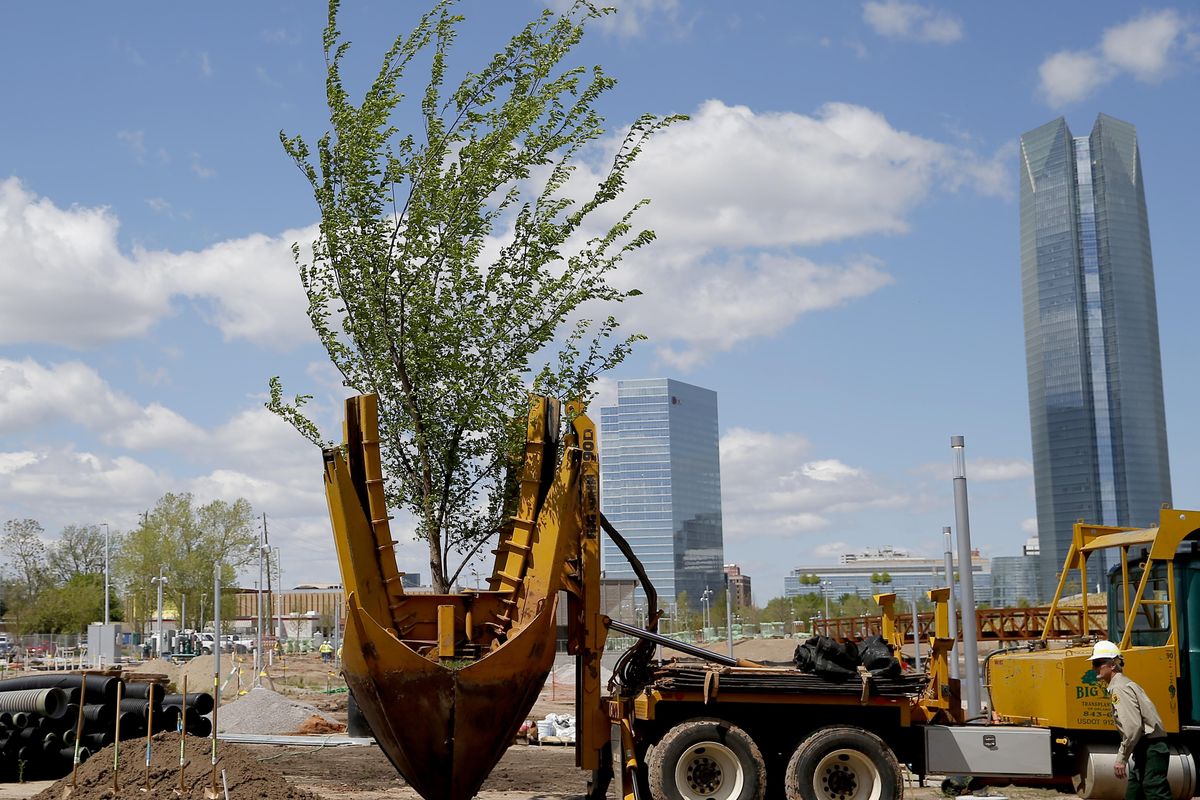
733,177
32,394
830,549
769,489
251,283
912,22
712,306
71,481
1145,47
633,17
736,192
829,470
253,455
11,462
200,170
135,141
1068,76
735,195
65,281
1029,525
205,65
984,470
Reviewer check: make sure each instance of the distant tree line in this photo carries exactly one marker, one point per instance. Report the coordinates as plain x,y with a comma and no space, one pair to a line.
56,585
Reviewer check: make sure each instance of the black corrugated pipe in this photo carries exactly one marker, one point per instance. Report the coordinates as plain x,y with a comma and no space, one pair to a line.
139,707
19,719
167,719
99,689
200,703
50,702
144,690
68,754
199,726
98,716
96,741
132,721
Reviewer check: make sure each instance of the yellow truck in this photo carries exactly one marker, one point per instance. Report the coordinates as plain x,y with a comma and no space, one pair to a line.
445,680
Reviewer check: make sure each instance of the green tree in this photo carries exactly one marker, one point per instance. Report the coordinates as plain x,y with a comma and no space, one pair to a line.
25,558
78,551
68,607
189,544
446,266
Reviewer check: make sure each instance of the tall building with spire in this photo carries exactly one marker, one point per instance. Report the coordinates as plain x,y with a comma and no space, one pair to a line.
1091,335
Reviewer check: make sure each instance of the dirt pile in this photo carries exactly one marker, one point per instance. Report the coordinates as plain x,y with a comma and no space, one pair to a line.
265,712
245,774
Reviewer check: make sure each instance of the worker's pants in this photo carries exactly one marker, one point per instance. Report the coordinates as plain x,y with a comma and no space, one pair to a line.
1148,771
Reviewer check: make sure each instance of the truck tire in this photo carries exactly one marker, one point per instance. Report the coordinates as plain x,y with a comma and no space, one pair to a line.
843,763
706,759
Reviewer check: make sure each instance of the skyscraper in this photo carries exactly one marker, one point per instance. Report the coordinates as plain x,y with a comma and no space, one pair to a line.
660,486
1091,334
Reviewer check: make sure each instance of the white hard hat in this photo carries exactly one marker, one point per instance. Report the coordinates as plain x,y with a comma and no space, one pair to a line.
1105,649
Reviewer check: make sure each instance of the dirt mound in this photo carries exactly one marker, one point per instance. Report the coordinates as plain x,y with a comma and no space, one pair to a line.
265,712
245,774
317,724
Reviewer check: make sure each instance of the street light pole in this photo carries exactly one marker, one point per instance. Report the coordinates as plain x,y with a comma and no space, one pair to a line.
825,591
282,632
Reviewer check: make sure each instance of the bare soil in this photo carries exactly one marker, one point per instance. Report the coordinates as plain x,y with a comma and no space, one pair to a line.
363,773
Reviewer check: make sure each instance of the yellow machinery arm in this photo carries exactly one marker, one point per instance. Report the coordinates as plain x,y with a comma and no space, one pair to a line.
442,678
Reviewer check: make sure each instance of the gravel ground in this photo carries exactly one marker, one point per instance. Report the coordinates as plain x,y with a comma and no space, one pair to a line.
265,712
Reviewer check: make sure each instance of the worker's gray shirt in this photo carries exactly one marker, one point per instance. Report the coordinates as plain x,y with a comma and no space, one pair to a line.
1134,713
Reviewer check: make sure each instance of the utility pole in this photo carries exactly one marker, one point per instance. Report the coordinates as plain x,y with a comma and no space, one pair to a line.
962,519
916,628
728,616
281,631
258,617
949,559
268,620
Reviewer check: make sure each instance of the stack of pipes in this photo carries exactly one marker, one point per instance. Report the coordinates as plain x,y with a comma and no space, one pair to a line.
41,716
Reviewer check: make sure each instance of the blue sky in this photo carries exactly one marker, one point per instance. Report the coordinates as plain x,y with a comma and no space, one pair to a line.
837,252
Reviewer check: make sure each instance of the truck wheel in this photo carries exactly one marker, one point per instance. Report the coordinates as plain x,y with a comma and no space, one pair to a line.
843,763
706,759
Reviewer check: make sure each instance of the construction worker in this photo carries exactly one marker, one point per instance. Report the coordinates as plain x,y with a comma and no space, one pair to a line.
1143,756
326,650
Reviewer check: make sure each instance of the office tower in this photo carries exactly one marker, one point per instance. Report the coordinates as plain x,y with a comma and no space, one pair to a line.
660,486
1091,335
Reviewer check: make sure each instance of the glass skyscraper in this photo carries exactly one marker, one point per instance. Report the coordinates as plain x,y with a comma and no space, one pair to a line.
1091,335
660,486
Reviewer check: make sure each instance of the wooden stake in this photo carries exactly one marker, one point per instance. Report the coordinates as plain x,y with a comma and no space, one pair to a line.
182,733
149,733
211,792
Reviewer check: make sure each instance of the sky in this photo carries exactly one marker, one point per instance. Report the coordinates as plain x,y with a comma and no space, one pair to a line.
837,251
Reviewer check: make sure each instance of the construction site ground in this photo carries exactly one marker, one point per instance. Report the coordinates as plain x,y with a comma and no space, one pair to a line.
526,772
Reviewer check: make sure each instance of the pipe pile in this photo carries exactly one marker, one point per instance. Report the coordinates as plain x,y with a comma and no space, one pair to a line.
41,719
